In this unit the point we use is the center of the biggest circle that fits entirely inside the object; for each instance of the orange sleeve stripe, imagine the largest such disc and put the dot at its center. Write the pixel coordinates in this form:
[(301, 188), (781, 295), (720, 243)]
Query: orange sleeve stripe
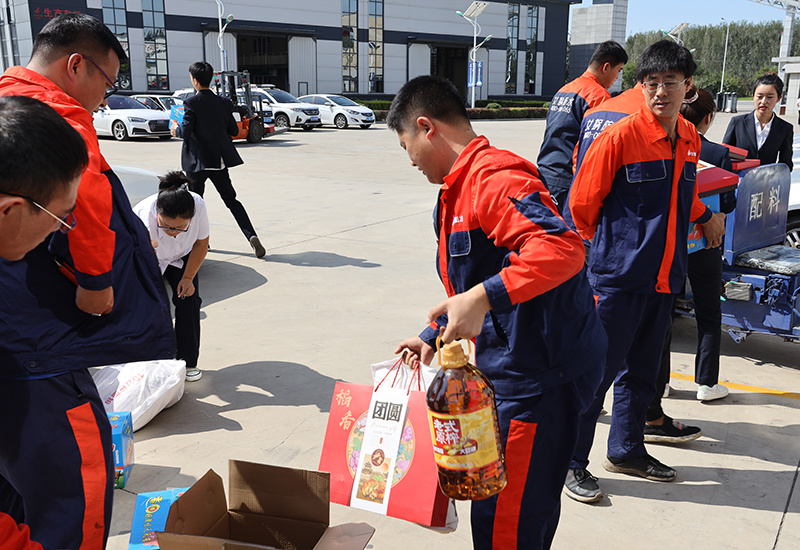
[(93, 474), (519, 448)]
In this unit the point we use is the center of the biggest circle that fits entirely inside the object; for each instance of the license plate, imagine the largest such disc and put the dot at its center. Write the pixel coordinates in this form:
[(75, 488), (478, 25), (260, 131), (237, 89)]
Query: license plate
[(314, 119), (368, 119)]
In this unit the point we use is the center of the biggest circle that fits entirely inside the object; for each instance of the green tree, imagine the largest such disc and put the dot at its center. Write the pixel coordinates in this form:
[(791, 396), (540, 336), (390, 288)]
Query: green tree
[(751, 47)]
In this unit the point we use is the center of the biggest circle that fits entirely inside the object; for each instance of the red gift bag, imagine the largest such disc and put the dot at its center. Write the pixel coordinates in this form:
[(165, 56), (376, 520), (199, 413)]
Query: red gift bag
[(415, 494)]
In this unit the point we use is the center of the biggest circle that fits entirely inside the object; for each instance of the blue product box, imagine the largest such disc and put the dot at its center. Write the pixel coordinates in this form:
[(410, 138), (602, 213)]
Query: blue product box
[(149, 516), (176, 114), (122, 446), (696, 239)]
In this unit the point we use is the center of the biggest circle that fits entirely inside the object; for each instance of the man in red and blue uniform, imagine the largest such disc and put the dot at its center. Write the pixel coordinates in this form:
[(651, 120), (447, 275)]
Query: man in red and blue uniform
[(38, 190), (566, 112), (56, 468), (514, 275), (633, 197)]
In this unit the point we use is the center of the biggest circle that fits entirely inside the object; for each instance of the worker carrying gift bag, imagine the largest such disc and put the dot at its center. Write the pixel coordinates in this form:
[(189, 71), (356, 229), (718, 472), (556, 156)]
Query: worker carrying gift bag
[(378, 447)]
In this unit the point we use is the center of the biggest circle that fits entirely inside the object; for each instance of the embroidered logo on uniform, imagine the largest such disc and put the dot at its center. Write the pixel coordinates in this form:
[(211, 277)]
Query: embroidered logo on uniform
[(457, 219), (692, 154)]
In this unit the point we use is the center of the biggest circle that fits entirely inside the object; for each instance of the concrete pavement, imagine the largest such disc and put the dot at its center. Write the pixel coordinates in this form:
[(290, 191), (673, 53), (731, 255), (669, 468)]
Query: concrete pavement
[(349, 273)]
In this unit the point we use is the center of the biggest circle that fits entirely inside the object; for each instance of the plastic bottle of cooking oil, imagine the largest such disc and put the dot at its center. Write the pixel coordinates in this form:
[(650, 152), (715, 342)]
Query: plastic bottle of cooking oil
[(466, 436)]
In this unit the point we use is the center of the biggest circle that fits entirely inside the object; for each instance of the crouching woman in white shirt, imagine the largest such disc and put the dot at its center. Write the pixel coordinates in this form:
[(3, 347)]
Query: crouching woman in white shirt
[(178, 224)]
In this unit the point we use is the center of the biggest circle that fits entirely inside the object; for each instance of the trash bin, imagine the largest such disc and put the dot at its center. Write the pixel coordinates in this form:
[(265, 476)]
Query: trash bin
[(726, 102), (734, 101)]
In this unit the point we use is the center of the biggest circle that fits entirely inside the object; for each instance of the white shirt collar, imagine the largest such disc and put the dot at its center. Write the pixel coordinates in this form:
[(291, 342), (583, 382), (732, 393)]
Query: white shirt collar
[(761, 134)]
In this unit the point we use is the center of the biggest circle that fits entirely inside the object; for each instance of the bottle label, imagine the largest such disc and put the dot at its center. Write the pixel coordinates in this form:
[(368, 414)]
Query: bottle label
[(464, 441)]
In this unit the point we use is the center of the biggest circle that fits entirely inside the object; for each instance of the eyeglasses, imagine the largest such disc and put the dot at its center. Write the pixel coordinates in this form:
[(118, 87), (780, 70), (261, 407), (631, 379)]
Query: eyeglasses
[(111, 90), (168, 228), (67, 222), (653, 85)]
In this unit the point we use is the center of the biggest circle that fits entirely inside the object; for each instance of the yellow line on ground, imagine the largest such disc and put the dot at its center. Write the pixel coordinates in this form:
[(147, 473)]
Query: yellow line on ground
[(743, 387)]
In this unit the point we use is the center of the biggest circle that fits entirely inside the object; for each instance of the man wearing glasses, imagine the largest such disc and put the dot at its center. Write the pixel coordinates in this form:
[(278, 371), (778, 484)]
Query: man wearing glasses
[(109, 308), (633, 197)]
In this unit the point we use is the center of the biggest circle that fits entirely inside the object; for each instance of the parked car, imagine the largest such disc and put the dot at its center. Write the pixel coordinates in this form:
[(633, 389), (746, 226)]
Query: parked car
[(287, 110), (183, 93), (340, 111), (793, 220), (160, 102), (125, 117)]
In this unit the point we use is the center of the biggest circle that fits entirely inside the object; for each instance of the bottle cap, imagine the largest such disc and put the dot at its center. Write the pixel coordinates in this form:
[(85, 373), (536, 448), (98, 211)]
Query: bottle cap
[(452, 355)]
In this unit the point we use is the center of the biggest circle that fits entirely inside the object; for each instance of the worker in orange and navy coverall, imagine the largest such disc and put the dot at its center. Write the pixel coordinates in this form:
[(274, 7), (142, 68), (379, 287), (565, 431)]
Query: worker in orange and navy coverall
[(633, 197), (56, 467), (37, 196), (566, 112), (514, 275)]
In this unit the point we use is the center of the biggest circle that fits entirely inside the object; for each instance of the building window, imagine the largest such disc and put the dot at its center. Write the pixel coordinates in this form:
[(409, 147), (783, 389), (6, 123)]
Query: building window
[(530, 49), (155, 45), (376, 46), (349, 46), (114, 18), (8, 34), (512, 34)]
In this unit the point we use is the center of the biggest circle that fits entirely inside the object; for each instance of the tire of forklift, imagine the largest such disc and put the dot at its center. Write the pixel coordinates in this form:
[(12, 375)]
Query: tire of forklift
[(255, 132)]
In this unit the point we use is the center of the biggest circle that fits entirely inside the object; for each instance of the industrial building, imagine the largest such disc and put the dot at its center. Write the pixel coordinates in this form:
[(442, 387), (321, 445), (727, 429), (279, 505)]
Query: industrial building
[(314, 46)]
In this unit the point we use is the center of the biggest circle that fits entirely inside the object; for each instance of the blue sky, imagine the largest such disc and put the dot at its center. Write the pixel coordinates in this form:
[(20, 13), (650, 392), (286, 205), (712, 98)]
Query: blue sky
[(643, 17)]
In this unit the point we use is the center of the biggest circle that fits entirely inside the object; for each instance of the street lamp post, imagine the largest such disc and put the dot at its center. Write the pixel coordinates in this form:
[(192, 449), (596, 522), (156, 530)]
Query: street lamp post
[(223, 62), (471, 15), (725, 55)]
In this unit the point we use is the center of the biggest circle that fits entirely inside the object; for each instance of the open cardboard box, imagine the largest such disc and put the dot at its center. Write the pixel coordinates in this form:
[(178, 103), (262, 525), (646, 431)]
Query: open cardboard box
[(269, 507)]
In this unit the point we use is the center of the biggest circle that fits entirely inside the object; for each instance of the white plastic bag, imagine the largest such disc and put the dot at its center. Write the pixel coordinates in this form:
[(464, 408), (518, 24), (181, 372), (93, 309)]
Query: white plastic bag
[(397, 374), (144, 388)]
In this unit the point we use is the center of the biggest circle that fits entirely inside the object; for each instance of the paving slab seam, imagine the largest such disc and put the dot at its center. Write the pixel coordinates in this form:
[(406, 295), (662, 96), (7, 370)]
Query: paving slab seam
[(786, 508)]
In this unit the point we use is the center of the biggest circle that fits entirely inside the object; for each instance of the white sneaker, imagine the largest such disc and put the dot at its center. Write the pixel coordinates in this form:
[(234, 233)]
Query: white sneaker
[(193, 374), (709, 393)]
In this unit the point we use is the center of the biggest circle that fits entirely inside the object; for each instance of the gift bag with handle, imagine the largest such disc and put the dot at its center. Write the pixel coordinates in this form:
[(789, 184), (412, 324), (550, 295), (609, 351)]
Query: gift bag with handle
[(411, 489)]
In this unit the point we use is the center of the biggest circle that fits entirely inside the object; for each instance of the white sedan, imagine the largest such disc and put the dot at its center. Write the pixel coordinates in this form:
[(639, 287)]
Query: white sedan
[(340, 111), (125, 117)]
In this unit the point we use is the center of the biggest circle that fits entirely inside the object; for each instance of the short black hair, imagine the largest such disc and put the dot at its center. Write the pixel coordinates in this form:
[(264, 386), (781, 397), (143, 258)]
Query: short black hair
[(663, 57), (426, 95), (770, 79), (202, 72), (608, 52), (40, 153), (174, 199), (76, 33)]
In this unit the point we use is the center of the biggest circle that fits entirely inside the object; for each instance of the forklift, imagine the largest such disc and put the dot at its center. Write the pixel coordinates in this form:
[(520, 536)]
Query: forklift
[(253, 120)]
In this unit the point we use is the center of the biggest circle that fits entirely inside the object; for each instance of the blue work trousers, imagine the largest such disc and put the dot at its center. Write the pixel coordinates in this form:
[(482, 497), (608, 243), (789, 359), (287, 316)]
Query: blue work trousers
[(636, 325), (56, 466), (539, 435)]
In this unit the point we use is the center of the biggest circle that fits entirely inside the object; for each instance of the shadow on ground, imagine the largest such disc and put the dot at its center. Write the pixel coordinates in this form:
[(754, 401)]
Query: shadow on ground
[(313, 258), (209, 402), (222, 280)]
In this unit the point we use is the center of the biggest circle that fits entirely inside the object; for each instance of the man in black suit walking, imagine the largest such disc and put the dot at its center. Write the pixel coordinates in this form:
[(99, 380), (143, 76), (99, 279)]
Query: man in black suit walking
[(208, 152)]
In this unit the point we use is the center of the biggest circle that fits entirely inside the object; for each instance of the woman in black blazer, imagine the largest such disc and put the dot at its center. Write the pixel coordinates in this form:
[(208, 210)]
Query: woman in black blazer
[(741, 132)]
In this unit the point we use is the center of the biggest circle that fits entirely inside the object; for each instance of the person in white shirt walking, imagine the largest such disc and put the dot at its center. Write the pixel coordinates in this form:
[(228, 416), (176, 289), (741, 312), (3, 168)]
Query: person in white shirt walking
[(177, 221)]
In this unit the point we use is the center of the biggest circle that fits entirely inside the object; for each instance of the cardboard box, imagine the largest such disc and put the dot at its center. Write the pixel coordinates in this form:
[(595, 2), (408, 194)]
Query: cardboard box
[(269, 507), (149, 516), (714, 180), (122, 446), (736, 153)]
